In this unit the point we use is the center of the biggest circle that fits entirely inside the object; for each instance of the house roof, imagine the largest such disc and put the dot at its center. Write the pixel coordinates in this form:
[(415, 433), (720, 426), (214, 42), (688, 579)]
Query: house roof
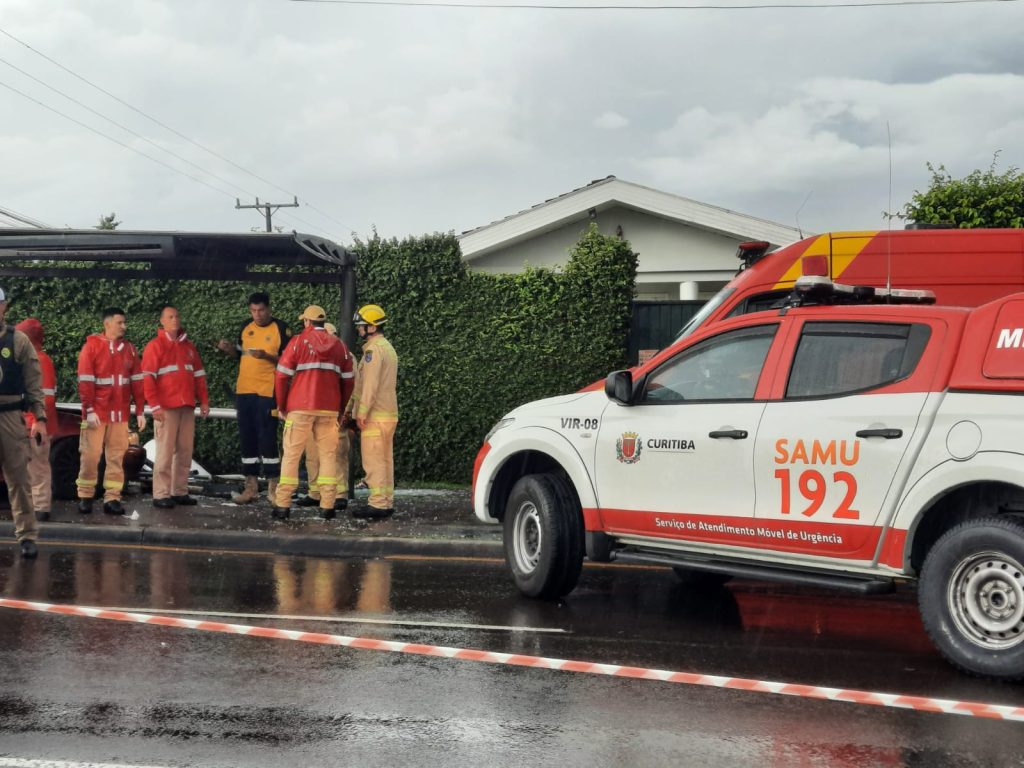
[(607, 193)]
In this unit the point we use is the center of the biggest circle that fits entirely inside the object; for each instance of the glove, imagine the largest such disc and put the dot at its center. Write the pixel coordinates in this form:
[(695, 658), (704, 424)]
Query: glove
[(93, 420)]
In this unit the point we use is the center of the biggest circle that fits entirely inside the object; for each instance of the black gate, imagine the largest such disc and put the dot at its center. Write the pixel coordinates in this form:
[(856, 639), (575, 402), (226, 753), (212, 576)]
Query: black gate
[(655, 324)]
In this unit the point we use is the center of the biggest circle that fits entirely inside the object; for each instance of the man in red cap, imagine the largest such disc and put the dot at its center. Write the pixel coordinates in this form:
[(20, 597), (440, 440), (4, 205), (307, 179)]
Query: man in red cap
[(312, 385), (39, 448)]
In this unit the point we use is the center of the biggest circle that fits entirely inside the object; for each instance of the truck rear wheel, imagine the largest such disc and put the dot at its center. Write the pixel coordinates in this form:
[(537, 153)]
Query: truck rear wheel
[(971, 596), (543, 536)]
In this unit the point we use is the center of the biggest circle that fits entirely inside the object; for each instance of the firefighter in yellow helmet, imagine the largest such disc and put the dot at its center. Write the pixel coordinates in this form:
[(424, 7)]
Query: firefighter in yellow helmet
[(375, 409)]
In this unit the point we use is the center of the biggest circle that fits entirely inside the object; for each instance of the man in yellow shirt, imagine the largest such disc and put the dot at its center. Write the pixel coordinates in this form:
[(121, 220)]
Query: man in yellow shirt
[(375, 408), (260, 343)]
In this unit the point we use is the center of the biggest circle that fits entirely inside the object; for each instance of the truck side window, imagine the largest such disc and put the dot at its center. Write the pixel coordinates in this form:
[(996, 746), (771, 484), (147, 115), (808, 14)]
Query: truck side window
[(843, 358), (725, 367), (760, 302)]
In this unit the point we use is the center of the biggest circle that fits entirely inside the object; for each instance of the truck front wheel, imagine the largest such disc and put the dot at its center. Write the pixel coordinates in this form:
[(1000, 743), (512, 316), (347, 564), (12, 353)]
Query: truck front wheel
[(971, 596), (543, 536)]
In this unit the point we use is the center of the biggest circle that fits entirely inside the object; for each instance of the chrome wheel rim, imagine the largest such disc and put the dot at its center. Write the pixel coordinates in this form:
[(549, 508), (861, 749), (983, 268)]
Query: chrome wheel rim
[(986, 600), (527, 538)]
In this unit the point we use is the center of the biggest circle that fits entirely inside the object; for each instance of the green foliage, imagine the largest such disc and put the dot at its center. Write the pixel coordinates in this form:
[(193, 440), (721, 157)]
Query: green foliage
[(471, 346), (108, 222), (980, 199)]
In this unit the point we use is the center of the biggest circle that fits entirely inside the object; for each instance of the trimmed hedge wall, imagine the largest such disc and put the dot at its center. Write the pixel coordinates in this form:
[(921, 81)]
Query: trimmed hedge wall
[(470, 346)]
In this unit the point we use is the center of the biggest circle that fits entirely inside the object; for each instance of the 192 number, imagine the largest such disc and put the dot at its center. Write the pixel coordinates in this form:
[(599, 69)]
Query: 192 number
[(814, 488)]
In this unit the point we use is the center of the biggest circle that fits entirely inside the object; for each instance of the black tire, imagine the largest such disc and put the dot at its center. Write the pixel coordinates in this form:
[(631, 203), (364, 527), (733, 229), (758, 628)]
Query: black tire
[(971, 597), (700, 579), (64, 464), (543, 536)]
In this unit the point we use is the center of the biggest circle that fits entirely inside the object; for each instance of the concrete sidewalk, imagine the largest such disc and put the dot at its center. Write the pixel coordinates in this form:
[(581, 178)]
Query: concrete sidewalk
[(426, 522)]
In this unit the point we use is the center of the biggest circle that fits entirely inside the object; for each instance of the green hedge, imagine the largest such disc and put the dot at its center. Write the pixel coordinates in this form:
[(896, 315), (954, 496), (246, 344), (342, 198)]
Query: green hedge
[(471, 346)]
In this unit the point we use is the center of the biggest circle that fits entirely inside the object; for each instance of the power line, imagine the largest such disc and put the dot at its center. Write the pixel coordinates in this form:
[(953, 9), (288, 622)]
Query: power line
[(176, 132), (22, 218), (125, 128), (114, 140), (700, 7)]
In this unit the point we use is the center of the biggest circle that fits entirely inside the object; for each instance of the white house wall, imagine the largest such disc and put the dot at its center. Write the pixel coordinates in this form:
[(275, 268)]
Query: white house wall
[(668, 250)]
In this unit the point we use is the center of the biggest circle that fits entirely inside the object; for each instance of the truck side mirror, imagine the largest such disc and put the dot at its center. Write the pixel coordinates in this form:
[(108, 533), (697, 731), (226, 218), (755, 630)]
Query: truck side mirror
[(619, 387)]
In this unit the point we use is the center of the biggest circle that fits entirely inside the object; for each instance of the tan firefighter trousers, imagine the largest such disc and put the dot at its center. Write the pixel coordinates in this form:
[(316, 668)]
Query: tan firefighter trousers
[(298, 427), (174, 438), (39, 474), (109, 441), (340, 463), (377, 447)]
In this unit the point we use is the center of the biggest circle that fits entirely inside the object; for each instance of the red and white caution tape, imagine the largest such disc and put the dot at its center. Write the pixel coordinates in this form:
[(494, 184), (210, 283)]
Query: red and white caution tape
[(897, 701)]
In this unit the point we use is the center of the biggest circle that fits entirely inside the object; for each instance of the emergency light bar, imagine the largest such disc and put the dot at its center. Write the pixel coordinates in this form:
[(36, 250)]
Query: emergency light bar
[(820, 290), (751, 252)]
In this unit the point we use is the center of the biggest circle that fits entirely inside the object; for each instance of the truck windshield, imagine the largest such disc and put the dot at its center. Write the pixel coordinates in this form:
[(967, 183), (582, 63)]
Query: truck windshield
[(698, 320)]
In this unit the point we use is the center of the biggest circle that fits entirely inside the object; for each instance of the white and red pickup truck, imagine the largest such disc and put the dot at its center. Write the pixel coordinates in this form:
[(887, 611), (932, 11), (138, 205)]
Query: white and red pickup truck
[(853, 438)]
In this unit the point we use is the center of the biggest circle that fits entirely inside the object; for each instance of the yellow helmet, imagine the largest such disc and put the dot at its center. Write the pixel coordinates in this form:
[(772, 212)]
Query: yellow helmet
[(371, 314)]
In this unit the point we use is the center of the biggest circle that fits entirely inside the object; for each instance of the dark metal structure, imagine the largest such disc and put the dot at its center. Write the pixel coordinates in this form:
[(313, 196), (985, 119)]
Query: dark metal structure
[(655, 324), (151, 255)]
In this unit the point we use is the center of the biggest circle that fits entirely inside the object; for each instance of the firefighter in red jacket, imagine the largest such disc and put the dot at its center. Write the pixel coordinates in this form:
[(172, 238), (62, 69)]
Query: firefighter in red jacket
[(312, 386), (175, 381), (109, 379), (39, 449)]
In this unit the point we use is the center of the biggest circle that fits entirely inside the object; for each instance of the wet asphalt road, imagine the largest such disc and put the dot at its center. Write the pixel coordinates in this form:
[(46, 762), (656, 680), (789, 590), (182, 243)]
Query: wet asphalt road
[(92, 690)]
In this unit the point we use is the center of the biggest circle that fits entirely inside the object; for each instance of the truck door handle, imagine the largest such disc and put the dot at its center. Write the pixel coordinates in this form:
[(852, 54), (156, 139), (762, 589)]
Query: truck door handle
[(732, 434), (888, 434)]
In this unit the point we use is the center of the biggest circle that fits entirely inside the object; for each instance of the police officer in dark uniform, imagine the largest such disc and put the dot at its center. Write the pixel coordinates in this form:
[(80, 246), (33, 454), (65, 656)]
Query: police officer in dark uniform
[(20, 390)]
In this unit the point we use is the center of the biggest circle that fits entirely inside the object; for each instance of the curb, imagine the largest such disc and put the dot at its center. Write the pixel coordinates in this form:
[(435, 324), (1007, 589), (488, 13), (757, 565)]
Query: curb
[(299, 546)]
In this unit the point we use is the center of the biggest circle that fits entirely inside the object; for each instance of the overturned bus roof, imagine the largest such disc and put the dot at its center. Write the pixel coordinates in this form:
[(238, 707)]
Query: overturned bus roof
[(174, 255)]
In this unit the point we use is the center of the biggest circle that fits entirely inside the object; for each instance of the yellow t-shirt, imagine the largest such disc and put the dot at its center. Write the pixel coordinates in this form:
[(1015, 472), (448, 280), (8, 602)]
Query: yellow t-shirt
[(255, 376)]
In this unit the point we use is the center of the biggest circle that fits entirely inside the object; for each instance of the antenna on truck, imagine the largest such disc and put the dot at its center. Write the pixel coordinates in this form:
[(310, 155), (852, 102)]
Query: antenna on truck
[(797, 216)]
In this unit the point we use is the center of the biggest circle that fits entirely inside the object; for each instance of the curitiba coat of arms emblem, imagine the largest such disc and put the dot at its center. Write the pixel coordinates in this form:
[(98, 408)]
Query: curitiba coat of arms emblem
[(628, 448)]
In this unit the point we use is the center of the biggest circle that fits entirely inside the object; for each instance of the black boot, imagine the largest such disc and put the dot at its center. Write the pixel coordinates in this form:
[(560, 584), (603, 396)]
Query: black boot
[(372, 513), (85, 506), (163, 503), (328, 514), (340, 505), (29, 549), (113, 507), (184, 501), (281, 513)]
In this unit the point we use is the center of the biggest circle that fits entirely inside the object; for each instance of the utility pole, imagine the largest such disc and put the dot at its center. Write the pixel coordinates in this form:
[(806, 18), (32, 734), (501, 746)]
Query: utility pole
[(269, 209)]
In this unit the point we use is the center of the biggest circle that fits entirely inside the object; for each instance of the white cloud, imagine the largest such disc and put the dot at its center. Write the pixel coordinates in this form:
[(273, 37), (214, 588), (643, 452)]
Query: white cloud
[(610, 121)]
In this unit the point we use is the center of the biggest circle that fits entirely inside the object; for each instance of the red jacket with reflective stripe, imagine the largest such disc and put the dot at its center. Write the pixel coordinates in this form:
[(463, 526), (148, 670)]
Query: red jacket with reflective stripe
[(109, 378), (314, 373), (174, 374), (34, 330)]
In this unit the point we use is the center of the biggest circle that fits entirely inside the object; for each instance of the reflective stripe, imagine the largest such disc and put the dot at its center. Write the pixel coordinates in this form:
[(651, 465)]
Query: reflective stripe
[(111, 485), (350, 375), (167, 369), (138, 377), (86, 377), (189, 367), (250, 461), (287, 423), (372, 432), (326, 480), (271, 461), (50, 392), (285, 371), (317, 367), (382, 491), (105, 381), (149, 373), (199, 373), (85, 483), (288, 480)]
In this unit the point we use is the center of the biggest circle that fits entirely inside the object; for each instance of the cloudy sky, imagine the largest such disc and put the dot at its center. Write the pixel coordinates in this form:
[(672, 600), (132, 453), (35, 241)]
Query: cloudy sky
[(421, 119)]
